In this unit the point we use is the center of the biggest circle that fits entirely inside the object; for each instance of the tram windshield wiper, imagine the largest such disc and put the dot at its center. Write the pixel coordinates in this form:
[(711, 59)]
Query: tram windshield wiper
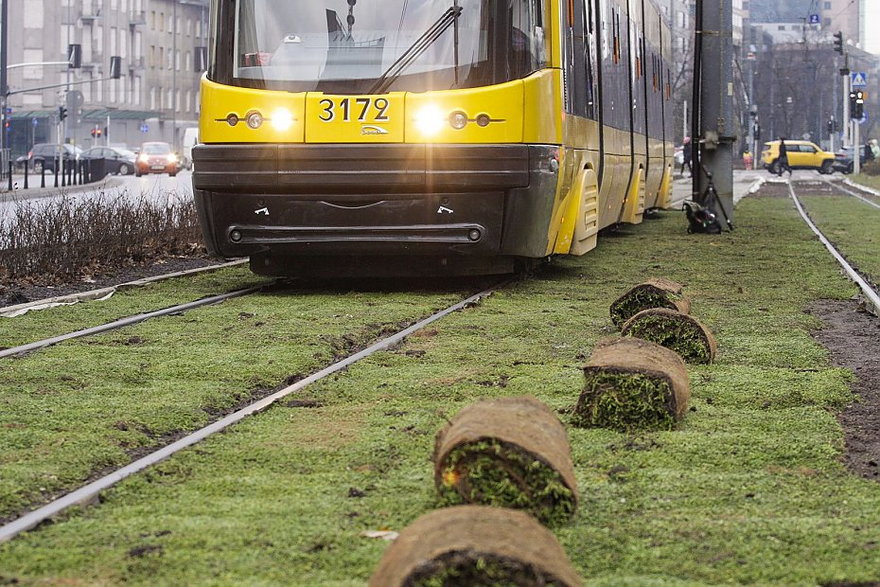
[(413, 52)]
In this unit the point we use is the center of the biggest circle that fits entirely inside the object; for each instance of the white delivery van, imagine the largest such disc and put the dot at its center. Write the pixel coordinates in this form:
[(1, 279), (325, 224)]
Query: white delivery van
[(190, 138)]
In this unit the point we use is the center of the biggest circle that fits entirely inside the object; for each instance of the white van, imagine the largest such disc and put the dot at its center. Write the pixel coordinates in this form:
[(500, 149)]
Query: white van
[(190, 138)]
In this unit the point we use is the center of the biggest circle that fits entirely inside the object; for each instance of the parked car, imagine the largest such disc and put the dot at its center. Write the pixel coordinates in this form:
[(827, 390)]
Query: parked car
[(843, 159), (43, 155), (104, 160), (156, 157), (801, 155)]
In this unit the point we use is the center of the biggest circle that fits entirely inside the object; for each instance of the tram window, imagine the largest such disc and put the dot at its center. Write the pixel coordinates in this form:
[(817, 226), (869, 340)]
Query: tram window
[(419, 45)]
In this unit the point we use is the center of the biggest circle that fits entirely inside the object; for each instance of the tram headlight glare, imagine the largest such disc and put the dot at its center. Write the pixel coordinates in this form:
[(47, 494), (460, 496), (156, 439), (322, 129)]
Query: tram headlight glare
[(429, 120), (282, 119)]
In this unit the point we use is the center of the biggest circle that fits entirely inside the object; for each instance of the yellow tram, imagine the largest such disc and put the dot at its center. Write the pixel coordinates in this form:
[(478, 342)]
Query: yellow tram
[(379, 137)]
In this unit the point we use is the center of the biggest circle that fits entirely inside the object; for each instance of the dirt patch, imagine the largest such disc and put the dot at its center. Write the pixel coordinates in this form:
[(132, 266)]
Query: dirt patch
[(14, 292), (851, 335)]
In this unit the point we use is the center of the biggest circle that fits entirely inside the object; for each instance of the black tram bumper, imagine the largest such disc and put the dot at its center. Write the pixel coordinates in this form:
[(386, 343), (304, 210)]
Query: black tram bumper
[(384, 201)]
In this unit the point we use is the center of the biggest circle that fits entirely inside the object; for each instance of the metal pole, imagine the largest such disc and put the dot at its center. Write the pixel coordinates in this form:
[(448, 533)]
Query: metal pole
[(4, 59), (844, 74), (174, 77), (857, 148), (716, 104)]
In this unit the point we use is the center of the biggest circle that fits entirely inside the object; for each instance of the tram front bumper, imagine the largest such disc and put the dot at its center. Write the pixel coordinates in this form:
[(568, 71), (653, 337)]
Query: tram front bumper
[(366, 199)]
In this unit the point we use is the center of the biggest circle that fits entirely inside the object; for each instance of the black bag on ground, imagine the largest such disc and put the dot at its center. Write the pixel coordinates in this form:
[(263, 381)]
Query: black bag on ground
[(701, 219)]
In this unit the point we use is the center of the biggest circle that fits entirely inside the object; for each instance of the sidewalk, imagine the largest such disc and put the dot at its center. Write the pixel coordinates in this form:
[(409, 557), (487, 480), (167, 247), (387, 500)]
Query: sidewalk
[(34, 190)]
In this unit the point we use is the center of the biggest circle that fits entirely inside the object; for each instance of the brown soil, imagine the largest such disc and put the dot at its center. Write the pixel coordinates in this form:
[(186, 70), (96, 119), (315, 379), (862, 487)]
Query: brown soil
[(23, 291), (851, 335)]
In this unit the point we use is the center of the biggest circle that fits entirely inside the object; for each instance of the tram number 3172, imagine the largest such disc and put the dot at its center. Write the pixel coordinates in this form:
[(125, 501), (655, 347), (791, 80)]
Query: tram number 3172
[(363, 107)]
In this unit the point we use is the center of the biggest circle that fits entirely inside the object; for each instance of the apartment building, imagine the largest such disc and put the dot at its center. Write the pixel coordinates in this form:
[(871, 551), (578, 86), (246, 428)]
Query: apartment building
[(161, 46)]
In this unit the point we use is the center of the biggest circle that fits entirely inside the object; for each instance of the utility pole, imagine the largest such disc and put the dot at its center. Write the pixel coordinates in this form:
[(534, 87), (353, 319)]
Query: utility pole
[(713, 104), (4, 86)]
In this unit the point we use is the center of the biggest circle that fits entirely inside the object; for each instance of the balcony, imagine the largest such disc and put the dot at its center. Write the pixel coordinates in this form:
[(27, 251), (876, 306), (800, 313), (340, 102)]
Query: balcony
[(136, 64), (91, 10), (94, 62), (137, 18)]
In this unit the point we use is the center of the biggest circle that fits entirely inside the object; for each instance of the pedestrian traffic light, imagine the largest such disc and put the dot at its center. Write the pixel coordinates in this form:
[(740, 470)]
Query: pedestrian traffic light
[(62, 113), (838, 42), (857, 104)]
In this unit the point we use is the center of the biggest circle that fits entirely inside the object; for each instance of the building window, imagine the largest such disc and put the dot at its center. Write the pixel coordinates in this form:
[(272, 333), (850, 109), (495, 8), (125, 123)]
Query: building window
[(828, 6)]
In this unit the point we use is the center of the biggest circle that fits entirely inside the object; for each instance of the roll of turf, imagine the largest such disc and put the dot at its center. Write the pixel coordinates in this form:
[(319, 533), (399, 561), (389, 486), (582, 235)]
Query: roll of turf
[(678, 332), (507, 452), (632, 384), (654, 293), (474, 545)]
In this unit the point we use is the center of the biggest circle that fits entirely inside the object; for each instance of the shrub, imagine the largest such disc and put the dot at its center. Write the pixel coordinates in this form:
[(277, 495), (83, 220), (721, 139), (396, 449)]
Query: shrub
[(68, 237)]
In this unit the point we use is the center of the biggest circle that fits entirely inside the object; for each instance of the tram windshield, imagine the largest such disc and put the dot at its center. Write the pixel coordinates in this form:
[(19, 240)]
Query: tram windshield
[(375, 46)]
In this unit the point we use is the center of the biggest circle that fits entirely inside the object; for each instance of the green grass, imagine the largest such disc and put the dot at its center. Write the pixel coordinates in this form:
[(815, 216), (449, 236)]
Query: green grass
[(91, 403), (749, 488), (625, 401), (491, 472), (38, 325), (872, 181), (853, 226)]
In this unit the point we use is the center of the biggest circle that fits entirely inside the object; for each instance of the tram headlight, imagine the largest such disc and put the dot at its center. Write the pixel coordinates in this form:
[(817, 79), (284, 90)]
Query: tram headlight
[(458, 120), (430, 120), (254, 119), (282, 119)]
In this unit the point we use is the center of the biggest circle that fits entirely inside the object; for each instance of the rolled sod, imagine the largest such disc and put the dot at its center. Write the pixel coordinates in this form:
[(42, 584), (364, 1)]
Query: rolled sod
[(632, 384), (679, 332), (474, 545), (507, 452), (654, 293)]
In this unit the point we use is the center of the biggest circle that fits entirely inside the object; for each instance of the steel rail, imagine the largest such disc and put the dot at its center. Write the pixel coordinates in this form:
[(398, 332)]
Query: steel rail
[(853, 194), (128, 321), (870, 294), (87, 493)]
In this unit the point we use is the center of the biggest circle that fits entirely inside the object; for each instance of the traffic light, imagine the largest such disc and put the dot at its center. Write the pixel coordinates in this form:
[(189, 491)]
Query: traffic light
[(74, 56), (838, 42), (62, 113), (857, 104), (115, 67)]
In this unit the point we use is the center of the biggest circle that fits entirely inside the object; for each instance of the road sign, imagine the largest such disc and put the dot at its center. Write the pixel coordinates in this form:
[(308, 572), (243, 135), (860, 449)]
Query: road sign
[(814, 19), (858, 79), (144, 127)]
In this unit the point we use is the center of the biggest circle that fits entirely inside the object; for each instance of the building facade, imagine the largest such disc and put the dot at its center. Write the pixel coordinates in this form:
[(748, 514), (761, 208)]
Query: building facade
[(160, 44)]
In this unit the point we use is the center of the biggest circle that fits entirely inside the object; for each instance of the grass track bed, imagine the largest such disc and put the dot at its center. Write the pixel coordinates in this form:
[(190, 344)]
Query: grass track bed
[(749, 488), (43, 324), (854, 228), (91, 403)]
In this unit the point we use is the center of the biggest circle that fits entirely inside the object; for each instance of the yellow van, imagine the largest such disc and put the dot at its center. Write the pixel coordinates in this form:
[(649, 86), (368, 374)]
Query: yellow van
[(801, 155)]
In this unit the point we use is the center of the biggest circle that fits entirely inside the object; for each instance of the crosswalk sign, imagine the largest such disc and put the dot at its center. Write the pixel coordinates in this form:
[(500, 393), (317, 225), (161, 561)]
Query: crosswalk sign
[(858, 79)]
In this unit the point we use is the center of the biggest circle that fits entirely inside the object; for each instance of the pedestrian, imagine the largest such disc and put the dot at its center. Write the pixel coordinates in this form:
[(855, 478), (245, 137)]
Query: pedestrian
[(782, 160), (869, 152), (686, 156), (875, 148)]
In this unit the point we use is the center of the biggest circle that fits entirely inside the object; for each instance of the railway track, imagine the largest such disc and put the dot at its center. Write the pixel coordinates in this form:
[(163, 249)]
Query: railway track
[(89, 491), (869, 292)]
